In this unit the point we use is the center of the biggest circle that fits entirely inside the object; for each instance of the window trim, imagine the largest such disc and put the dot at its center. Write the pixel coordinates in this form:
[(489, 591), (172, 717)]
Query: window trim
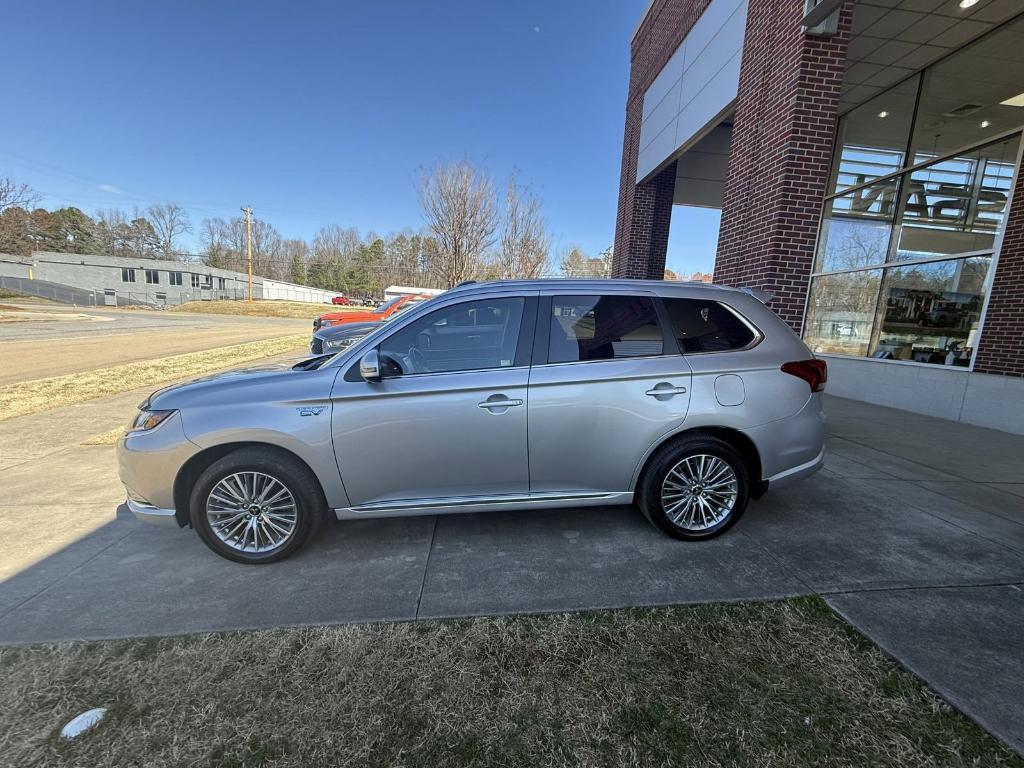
[(542, 338), (127, 274)]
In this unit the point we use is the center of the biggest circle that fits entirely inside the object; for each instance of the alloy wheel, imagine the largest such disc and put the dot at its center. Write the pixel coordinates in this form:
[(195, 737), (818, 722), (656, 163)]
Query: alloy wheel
[(699, 492), (252, 512)]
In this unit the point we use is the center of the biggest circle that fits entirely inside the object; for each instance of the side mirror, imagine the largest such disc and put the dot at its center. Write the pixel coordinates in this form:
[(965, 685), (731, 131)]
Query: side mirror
[(369, 366)]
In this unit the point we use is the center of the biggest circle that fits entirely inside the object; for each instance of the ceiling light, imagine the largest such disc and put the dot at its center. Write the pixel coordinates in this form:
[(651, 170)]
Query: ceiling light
[(968, 3), (985, 123), (883, 113), (1014, 101)]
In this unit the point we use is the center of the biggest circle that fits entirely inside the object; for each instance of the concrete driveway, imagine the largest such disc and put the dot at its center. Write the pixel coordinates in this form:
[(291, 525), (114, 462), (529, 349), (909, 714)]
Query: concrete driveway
[(914, 532)]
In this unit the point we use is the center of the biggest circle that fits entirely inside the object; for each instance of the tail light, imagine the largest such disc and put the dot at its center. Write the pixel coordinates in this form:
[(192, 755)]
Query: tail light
[(814, 372)]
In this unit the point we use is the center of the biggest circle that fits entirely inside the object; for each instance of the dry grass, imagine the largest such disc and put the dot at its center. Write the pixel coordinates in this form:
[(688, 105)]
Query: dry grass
[(770, 684), (7, 293), (39, 395), (110, 437), (261, 308)]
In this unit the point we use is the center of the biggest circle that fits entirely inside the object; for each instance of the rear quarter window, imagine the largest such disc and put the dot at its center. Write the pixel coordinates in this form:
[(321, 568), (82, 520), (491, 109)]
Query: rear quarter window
[(707, 326)]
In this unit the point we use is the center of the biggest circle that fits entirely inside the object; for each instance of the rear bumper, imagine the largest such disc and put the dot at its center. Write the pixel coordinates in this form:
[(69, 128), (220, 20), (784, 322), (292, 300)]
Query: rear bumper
[(797, 473), (794, 447), (150, 514)]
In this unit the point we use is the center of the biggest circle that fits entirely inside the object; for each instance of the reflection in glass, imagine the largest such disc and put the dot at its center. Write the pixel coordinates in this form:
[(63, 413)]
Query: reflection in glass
[(931, 311), (957, 205), (961, 99), (841, 311), (872, 139), (856, 228)]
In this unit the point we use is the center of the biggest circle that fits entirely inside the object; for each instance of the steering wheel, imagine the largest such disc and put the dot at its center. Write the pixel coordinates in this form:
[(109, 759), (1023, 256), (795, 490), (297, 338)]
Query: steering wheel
[(418, 360)]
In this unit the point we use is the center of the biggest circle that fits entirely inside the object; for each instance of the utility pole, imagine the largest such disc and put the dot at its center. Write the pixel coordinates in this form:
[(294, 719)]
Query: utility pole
[(248, 245)]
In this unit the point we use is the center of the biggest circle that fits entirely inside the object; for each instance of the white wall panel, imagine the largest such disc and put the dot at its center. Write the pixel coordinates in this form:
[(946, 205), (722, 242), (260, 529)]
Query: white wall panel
[(697, 84)]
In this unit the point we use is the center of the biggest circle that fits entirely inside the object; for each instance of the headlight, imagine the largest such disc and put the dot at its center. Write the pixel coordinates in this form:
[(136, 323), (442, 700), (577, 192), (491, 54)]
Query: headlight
[(337, 344), (147, 420), (326, 323)]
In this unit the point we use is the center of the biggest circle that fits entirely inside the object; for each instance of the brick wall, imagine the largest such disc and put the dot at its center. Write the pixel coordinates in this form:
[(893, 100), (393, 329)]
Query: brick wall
[(641, 224), (1001, 348), (782, 139)]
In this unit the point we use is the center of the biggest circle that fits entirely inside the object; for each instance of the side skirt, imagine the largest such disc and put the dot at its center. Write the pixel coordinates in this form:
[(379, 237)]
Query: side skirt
[(456, 504)]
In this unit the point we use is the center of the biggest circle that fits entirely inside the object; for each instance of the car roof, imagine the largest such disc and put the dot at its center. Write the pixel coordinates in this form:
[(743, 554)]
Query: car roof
[(595, 284)]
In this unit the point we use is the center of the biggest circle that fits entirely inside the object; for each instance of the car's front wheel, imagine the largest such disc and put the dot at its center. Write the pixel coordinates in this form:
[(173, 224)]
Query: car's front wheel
[(256, 505), (694, 488)]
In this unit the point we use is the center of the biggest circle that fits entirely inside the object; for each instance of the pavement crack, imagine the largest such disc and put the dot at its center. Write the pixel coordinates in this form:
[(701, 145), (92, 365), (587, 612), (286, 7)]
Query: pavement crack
[(426, 564)]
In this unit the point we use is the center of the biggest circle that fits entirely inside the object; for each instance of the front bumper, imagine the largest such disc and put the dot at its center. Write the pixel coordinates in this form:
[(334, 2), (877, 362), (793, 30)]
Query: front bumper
[(147, 513), (148, 463)]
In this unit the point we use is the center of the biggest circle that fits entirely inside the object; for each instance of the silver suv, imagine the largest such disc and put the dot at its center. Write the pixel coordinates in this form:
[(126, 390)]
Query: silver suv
[(686, 399)]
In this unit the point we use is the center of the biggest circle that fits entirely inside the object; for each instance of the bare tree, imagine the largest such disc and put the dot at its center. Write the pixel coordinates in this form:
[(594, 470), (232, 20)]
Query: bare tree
[(575, 263), (524, 238), (16, 226), (169, 221), (459, 207), (225, 246), (15, 195)]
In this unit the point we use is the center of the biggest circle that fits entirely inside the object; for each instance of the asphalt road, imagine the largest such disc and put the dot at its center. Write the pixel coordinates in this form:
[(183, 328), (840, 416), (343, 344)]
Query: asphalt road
[(57, 340), (914, 532)]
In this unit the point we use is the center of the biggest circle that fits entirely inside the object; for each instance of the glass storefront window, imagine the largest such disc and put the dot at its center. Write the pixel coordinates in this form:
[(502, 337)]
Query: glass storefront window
[(841, 312), (872, 139), (921, 179), (957, 205), (857, 227), (961, 97), (930, 311)]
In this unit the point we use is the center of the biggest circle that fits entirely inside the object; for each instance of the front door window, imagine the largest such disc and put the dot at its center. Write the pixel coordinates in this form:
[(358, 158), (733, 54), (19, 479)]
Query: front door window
[(472, 336)]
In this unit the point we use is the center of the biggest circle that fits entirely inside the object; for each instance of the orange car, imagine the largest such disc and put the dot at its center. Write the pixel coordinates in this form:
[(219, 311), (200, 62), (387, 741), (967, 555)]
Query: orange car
[(383, 312)]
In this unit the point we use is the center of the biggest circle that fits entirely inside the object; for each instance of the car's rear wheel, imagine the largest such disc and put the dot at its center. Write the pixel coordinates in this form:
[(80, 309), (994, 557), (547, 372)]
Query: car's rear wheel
[(256, 505), (695, 488)]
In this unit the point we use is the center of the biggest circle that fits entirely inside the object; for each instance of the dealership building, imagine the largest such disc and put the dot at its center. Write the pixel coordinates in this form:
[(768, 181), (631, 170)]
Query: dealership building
[(865, 158)]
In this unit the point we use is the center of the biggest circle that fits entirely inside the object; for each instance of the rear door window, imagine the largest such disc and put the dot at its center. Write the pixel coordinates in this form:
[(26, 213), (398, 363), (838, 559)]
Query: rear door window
[(603, 328), (707, 326)]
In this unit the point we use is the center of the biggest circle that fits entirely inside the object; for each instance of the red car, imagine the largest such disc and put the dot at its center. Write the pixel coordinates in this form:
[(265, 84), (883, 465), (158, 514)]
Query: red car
[(383, 312), (342, 300)]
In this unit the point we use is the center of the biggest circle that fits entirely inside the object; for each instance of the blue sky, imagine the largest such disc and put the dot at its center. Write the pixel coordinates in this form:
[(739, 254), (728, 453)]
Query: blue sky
[(325, 112)]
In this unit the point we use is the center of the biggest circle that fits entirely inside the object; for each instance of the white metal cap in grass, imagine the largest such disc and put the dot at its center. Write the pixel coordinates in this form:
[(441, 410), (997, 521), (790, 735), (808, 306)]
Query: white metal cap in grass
[(83, 722)]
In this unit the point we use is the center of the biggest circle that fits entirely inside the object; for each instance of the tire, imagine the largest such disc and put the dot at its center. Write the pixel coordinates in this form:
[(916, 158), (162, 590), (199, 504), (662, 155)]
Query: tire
[(725, 490), (298, 510)]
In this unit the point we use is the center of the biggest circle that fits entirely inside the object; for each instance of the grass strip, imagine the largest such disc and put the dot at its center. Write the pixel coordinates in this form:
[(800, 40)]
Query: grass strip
[(110, 437), (780, 684), (27, 397), (263, 308)]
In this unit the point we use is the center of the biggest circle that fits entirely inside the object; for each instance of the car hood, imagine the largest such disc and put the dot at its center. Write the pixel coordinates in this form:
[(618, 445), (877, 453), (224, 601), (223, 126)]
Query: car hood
[(344, 318), (241, 385)]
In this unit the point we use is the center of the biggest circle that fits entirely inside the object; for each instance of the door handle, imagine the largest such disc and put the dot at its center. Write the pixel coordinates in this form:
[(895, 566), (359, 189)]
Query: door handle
[(665, 391), (504, 402)]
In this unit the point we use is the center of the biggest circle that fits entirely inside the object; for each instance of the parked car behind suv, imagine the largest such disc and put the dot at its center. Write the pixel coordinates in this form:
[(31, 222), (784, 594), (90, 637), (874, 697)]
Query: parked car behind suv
[(383, 312), (685, 399), (332, 339)]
